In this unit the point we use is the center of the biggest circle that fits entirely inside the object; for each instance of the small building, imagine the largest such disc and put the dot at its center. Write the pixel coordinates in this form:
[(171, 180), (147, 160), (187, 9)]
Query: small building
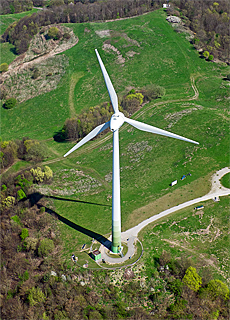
[(96, 255), (173, 183), (199, 208), (166, 5)]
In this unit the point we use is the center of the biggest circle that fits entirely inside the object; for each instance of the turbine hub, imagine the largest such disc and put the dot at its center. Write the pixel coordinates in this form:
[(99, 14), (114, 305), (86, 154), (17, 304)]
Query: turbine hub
[(116, 121)]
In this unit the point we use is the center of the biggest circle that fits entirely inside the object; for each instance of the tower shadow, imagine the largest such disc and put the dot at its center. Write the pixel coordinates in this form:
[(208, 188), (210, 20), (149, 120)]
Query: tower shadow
[(34, 199)]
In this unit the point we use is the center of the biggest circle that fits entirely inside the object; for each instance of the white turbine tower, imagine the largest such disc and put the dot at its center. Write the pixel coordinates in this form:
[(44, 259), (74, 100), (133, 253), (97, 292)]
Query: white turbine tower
[(115, 123)]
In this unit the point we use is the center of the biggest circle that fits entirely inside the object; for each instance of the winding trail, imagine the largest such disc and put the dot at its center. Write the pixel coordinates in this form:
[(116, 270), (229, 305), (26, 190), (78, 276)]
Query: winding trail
[(130, 236), (109, 136)]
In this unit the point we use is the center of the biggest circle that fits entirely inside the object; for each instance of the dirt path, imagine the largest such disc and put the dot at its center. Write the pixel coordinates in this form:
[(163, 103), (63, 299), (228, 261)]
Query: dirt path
[(73, 81), (16, 66)]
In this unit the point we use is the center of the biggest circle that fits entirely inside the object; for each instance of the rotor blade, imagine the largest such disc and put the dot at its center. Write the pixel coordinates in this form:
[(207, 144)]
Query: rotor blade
[(145, 127), (110, 88), (89, 136)]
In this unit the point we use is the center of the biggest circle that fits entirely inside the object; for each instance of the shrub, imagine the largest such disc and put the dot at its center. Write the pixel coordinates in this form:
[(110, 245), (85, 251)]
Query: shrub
[(10, 103), (37, 174), (21, 195), (16, 219), (48, 173), (138, 96), (35, 296), (31, 244), (46, 246), (228, 76), (36, 74), (216, 288), (4, 67), (4, 187), (192, 279), (24, 234), (206, 54), (54, 33), (66, 35), (153, 91), (8, 202), (210, 57)]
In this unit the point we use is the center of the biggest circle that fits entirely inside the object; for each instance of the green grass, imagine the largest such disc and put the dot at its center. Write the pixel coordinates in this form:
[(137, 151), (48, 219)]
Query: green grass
[(149, 163), (225, 181), (199, 235)]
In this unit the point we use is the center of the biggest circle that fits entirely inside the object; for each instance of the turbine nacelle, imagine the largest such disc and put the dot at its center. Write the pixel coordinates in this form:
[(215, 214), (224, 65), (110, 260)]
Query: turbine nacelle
[(116, 121)]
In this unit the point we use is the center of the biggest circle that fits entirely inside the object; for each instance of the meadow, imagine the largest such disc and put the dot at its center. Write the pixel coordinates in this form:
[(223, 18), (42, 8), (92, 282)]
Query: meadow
[(152, 52)]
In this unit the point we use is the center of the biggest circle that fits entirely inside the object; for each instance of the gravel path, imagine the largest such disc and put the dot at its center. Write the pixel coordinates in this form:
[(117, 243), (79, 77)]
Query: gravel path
[(130, 236)]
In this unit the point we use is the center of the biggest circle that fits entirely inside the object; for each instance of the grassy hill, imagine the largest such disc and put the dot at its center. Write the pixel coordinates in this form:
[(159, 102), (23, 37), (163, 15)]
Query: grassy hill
[(152, 52)]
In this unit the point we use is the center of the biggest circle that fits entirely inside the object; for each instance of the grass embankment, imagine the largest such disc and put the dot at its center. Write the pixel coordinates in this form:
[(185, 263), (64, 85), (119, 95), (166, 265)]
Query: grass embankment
[(154, 53)]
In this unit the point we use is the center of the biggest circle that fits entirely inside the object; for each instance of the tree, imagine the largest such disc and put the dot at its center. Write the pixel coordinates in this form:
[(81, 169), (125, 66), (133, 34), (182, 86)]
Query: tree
[(54, 33), (206, 54), (24, 233), (153, 91), (192, 279), (10, 103), (46, 246), (36, 296), (210, 58), (4, 67), (216, 288)]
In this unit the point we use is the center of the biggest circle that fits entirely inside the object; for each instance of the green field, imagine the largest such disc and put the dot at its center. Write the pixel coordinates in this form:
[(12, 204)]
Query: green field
[(201, 236), (154, 53)]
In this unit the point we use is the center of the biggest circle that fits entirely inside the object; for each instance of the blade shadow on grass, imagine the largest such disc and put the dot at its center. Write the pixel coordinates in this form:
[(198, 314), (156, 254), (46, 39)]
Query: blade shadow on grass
[(79, 201), (34, 199)]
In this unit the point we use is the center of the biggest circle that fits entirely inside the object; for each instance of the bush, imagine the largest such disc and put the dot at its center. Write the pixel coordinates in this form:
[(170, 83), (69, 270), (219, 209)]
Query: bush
[(21, 195), (228, 76), (192, 279), (37, 174), (153, 91), (66, 35), (10, 103), (210, 57), (36, 74), (216, 288), (31, 244), (35, 296), (24, 234), (206, 54), (4, 67), (48, 173), (54, 33), (8, 202), (46, 246), (32, 150)]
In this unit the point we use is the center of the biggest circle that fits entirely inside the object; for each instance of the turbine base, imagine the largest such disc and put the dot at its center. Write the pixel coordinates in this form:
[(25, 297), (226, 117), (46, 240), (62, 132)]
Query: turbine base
[(115, 249)]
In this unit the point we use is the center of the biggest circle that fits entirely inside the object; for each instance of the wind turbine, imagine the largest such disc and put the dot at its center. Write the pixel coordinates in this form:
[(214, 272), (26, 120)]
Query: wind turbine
[(115, 123)]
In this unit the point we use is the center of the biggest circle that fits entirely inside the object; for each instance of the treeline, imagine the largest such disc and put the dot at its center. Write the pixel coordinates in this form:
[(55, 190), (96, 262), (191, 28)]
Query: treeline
[(77, 128), (210, 21), (21, 32), (15, 6), (26, 149)]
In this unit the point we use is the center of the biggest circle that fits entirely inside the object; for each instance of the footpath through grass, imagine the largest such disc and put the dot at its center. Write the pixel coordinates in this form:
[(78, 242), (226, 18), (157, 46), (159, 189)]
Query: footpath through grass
[(200, 235)]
